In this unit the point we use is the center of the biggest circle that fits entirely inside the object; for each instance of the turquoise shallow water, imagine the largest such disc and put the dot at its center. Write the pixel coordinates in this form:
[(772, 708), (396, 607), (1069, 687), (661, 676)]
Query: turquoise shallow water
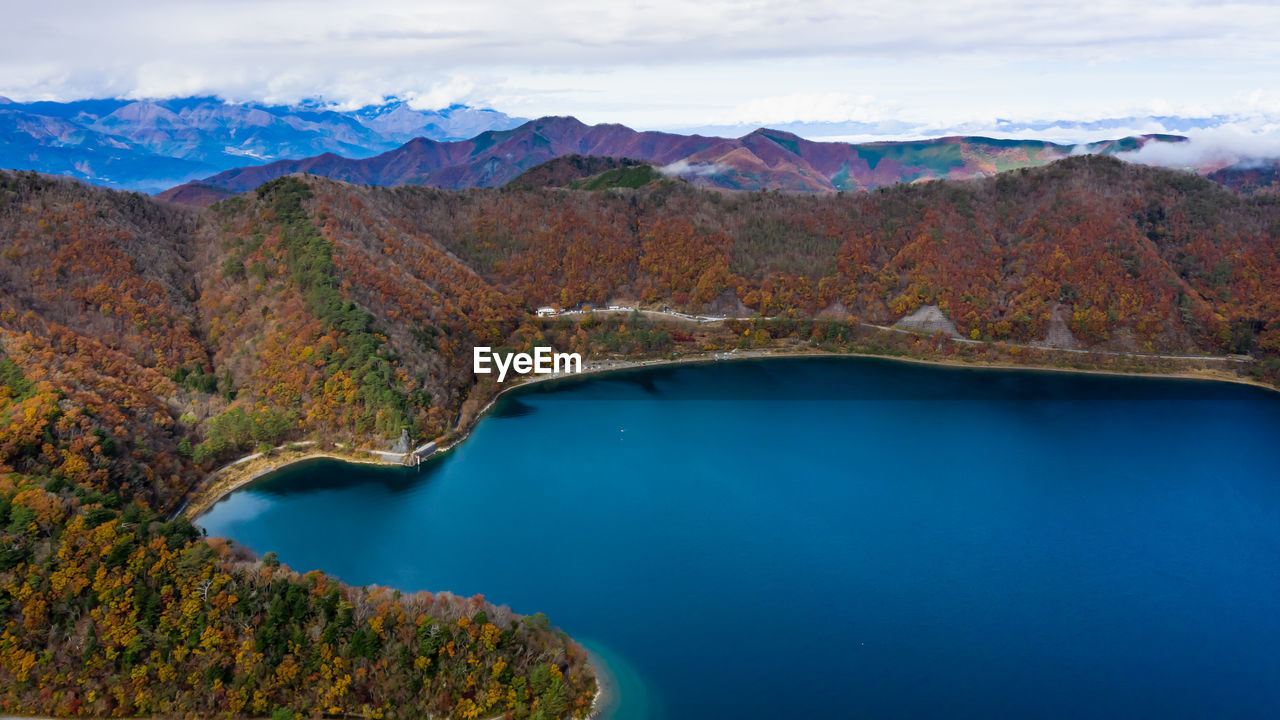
[(844, 537)]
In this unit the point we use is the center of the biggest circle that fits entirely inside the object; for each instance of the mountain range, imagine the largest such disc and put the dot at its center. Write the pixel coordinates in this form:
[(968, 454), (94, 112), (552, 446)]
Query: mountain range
[(151, 145), (197, 150), (761, 160)]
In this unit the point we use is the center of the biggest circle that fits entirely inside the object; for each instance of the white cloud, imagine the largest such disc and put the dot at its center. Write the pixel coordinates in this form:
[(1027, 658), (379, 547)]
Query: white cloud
[(1237, 144), (1261, 101), (686, 169), (455, 90), (664, 63), (810, 107)]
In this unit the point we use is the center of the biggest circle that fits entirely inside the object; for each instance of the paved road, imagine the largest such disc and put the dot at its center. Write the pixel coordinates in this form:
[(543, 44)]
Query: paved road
[(888, 328)]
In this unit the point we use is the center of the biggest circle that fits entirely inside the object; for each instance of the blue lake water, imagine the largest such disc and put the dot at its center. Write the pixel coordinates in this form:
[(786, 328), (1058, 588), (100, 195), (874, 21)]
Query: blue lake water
[(844, 537)]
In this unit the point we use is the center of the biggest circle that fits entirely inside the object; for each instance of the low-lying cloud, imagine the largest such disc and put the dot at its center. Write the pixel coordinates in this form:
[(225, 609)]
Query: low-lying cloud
[(687, 170), (1219, 147)]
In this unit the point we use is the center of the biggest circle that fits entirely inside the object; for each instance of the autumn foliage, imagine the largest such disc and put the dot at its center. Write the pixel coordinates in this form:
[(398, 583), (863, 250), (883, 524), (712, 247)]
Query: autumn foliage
[(128, 364), (142, 344)]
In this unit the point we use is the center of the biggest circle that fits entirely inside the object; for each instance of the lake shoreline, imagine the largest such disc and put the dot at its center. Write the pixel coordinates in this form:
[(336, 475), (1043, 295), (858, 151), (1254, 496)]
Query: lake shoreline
[(242, 473), (200, 502), (1068, 469)]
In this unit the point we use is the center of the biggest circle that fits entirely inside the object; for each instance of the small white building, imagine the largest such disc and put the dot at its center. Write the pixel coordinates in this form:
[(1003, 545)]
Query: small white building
[(547, 312)]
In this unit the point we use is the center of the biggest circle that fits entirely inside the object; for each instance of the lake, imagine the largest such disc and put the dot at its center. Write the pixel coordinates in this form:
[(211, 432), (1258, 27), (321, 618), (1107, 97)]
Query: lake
[(844, 537)]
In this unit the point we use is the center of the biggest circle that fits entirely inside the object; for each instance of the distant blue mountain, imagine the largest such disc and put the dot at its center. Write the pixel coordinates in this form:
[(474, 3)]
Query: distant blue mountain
[(150, 145)]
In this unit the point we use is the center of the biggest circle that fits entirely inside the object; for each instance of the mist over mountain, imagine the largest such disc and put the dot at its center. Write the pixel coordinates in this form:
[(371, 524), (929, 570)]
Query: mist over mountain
[(1060, 130), (150, 145)]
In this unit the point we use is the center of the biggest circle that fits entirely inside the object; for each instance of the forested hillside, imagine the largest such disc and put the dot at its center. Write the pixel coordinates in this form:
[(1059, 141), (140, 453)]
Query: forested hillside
[(569, 170), (312, 308), (138, 344), (1134, 258), (143, 343)]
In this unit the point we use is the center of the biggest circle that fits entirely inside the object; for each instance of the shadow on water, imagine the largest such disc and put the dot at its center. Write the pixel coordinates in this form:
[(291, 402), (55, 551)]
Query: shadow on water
[(880, 379), (321, 474), (511, 407), (647, 383)]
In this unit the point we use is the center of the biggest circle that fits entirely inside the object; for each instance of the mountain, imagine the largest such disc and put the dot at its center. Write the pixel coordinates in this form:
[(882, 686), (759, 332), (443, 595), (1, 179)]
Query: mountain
[(761, 160), (58, 146), (154, 144), (399, 122)]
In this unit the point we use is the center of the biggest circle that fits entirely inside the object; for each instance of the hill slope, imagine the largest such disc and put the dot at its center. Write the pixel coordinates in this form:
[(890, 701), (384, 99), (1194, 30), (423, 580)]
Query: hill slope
[(140, 344)]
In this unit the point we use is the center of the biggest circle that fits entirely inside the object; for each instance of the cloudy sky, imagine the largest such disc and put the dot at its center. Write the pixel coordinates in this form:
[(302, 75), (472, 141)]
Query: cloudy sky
[(914, 64)]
